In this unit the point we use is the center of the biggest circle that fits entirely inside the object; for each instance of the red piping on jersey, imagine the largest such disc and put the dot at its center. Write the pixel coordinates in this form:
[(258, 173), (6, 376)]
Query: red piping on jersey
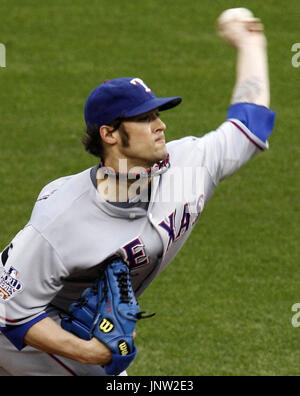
[(165, 163), (247, 136), (12, 320), (62, 364)]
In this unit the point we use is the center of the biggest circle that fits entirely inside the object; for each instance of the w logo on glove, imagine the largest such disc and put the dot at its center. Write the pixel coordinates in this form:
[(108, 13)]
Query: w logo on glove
[(106, 325), (123, 348)]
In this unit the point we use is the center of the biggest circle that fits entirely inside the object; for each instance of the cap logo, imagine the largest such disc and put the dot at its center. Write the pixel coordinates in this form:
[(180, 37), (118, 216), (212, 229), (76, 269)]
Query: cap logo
[(138, 81)]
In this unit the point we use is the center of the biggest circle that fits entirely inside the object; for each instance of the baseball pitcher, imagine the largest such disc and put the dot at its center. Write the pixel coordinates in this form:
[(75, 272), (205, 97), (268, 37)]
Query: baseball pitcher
[(70, 280)]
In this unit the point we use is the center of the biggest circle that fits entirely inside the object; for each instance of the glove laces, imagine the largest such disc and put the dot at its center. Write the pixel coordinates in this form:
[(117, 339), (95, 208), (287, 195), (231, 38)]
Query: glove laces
[(123, 281)]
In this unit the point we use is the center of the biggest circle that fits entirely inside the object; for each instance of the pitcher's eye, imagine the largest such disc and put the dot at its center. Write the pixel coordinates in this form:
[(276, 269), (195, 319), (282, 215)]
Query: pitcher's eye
[(149, 117)]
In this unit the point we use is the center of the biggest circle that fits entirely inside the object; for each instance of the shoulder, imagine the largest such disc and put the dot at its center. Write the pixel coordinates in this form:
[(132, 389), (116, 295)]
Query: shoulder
[(58, 196), (189, 148), (180, 145), (50, 188), (195, 142)]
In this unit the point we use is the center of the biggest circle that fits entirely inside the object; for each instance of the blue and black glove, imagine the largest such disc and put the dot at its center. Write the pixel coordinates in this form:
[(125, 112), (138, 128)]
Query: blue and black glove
[(108, 311)]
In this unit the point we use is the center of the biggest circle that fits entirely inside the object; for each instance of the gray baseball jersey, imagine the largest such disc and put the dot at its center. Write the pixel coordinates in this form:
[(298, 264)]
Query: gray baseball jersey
[(73, 230)]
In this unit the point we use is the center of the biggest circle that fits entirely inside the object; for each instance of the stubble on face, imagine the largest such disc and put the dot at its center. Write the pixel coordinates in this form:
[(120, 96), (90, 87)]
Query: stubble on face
[(144, 143)]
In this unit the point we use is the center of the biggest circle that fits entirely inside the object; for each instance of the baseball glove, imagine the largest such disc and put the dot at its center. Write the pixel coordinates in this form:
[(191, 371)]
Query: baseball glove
[(108, 311)]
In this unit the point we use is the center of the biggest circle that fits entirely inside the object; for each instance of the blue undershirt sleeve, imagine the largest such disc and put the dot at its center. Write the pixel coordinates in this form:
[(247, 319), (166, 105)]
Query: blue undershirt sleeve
[(16, 334), (258, 119)]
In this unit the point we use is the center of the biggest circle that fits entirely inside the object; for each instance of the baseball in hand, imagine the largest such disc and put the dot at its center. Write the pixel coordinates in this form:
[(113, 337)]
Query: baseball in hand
[(235, 14), (236, 25)]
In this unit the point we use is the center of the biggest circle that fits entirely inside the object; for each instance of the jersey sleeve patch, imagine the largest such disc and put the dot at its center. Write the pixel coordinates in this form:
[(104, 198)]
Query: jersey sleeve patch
[(256, 122), (10, 285)]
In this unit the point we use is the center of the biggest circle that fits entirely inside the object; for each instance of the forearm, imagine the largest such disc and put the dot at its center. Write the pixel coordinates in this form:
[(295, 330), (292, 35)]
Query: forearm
[(49, 337), (252, 82), (240, 29)]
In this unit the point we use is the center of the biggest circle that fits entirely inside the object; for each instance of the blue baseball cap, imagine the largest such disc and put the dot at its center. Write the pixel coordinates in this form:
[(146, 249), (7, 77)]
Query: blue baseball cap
[(123, 98)]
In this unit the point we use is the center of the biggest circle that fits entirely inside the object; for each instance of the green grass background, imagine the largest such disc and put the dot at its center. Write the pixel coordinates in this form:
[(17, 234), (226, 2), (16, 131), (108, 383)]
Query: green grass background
[(224, 304)]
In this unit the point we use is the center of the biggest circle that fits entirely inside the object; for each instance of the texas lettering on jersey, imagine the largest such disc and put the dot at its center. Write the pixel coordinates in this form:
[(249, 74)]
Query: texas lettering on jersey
[(185, 223), (135, 254)]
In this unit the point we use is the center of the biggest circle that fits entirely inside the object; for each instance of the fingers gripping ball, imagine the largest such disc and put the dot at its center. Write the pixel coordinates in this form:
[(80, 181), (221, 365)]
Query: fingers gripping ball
[(108, 311), (235, 14), (235, 24)]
